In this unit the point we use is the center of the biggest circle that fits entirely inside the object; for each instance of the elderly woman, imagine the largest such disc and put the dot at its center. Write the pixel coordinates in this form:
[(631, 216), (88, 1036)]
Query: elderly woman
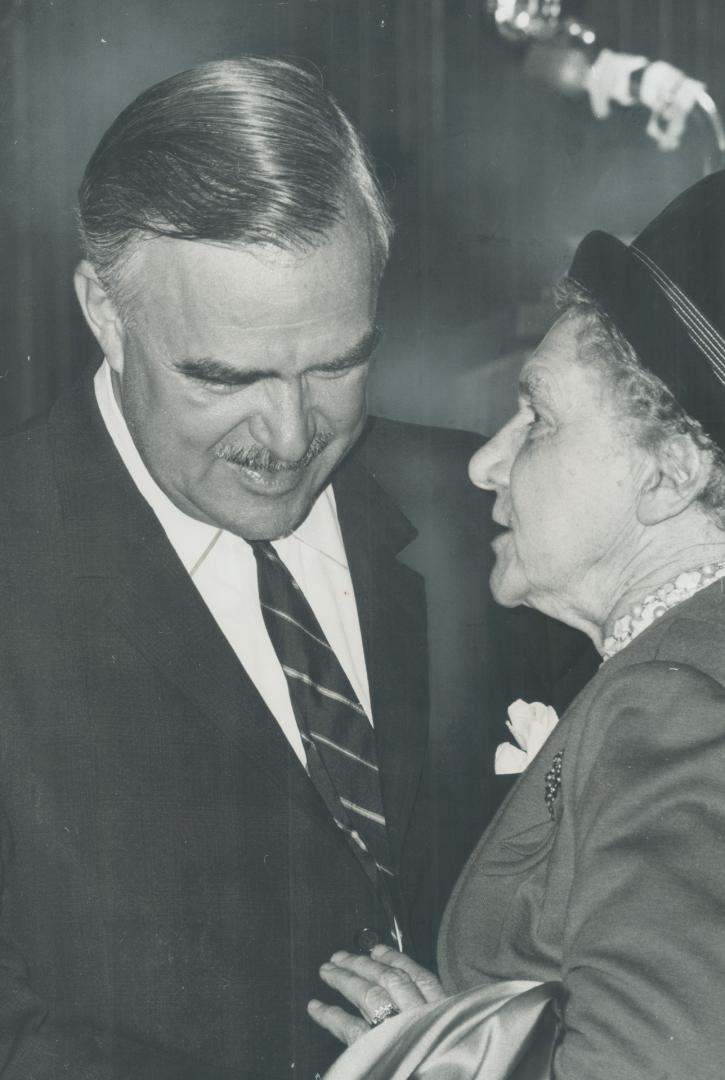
[(604, 869)]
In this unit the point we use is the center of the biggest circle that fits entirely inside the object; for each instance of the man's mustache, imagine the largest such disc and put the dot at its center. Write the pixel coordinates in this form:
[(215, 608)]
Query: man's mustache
[(263, 460)]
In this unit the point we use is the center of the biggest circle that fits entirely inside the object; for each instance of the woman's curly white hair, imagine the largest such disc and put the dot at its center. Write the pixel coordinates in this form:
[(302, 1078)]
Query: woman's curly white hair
[(644, 398)]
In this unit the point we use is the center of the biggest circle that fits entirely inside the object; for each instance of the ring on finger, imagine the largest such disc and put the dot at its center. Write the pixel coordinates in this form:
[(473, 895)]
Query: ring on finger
[(382, 1013)]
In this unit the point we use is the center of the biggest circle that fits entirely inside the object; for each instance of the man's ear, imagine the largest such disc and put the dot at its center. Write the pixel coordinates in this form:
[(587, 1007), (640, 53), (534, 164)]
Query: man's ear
[(100, 313), (679, 473)]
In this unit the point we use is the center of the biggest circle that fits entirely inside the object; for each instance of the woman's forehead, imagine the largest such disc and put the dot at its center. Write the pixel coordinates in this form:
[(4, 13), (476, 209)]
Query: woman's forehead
[(554, 354), (556, 370)]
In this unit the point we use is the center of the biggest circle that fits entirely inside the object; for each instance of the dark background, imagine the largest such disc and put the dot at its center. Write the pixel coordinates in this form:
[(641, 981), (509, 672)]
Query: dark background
[(492, 178)]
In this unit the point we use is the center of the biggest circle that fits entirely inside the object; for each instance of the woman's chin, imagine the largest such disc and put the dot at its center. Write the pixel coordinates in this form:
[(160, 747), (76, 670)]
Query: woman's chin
[(505, 588)]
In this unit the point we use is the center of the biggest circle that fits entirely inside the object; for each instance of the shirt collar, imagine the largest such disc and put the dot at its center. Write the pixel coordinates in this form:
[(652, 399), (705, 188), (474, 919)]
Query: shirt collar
[(191, 538), (627, 627)]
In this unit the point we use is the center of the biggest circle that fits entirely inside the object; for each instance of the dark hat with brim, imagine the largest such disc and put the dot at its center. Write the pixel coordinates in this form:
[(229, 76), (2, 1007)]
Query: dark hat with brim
[(666, 293)]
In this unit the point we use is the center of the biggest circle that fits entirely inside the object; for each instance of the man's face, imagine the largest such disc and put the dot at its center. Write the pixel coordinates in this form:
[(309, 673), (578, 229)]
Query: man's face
[(242, 374), (567, 480)]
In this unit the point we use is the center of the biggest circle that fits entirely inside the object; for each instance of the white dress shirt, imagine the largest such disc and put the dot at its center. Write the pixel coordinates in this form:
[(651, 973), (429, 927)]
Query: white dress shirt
[(223, 569)]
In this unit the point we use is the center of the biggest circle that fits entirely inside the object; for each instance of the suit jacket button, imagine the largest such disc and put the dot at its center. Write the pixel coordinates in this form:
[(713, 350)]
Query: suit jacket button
[(366, 939)]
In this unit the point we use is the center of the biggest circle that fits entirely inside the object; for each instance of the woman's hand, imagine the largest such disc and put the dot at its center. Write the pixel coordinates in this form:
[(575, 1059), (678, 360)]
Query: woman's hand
[(372, 984)]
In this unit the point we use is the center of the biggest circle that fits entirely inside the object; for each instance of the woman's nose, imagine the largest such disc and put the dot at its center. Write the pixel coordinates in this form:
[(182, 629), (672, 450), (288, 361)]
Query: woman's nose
[(490, 466)]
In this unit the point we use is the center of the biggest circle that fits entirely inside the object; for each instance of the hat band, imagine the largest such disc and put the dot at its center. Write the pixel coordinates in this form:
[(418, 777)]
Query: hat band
[(700, 330)]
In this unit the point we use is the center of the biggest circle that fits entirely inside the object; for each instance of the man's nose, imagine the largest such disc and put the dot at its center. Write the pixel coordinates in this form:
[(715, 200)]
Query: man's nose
[(490, 466), (283, 423)]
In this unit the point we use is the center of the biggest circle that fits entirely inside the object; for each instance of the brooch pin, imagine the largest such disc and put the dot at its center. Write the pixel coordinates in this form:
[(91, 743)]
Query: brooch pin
[(552, 783)]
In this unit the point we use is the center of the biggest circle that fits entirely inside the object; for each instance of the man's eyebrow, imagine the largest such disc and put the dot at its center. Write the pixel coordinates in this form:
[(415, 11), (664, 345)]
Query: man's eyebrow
[(209, 369), (362, 351)]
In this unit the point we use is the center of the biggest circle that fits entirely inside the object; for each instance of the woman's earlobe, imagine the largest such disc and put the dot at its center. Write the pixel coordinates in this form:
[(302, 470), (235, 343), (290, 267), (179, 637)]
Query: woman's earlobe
[(680, 475)]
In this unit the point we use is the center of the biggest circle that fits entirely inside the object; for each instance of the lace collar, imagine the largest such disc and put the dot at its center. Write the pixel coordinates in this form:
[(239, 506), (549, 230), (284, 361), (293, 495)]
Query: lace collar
[(654, 606)]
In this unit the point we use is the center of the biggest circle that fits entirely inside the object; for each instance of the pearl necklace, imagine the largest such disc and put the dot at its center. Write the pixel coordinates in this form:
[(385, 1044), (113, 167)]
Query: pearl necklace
[(654, 606)]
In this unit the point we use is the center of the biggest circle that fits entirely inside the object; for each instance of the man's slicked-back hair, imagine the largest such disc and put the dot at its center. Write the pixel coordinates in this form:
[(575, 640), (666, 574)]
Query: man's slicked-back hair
[(250, 151)]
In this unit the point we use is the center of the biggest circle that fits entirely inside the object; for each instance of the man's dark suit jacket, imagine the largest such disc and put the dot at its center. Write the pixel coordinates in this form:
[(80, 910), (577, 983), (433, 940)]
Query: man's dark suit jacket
[(170, 879)]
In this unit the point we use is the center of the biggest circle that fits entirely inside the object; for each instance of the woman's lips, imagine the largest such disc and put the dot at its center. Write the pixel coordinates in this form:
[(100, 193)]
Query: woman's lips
[(501, 534)]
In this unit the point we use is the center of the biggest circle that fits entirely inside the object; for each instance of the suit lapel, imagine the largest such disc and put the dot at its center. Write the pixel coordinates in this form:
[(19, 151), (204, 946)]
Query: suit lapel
[(525, 809), (391, 608), (124, 566)]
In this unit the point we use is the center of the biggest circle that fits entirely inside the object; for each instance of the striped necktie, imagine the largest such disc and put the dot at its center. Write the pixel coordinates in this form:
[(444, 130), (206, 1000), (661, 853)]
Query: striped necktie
[(338, 737)]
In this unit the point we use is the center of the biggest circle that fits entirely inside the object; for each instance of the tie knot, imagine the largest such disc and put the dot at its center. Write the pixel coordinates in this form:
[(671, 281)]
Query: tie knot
[(263, 550)]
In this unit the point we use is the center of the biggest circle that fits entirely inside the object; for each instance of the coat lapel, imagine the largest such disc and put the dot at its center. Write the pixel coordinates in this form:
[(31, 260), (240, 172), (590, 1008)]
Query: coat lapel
[(124, 566), (525, 813), (391, 608)]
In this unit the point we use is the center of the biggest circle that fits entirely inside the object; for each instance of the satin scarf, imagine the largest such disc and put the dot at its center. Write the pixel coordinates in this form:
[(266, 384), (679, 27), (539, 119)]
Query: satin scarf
[(503, 1031)]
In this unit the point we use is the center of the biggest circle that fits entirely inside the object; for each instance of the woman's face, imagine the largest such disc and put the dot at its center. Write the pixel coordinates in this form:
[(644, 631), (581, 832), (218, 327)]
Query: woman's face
[(567, 479)]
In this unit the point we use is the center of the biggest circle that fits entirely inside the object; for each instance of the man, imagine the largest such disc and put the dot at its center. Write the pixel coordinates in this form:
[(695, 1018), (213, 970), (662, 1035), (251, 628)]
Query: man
[(214, 664)]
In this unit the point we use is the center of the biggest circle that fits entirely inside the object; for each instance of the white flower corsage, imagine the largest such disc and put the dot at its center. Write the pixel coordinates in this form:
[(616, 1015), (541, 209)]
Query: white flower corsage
[(530, 723)]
